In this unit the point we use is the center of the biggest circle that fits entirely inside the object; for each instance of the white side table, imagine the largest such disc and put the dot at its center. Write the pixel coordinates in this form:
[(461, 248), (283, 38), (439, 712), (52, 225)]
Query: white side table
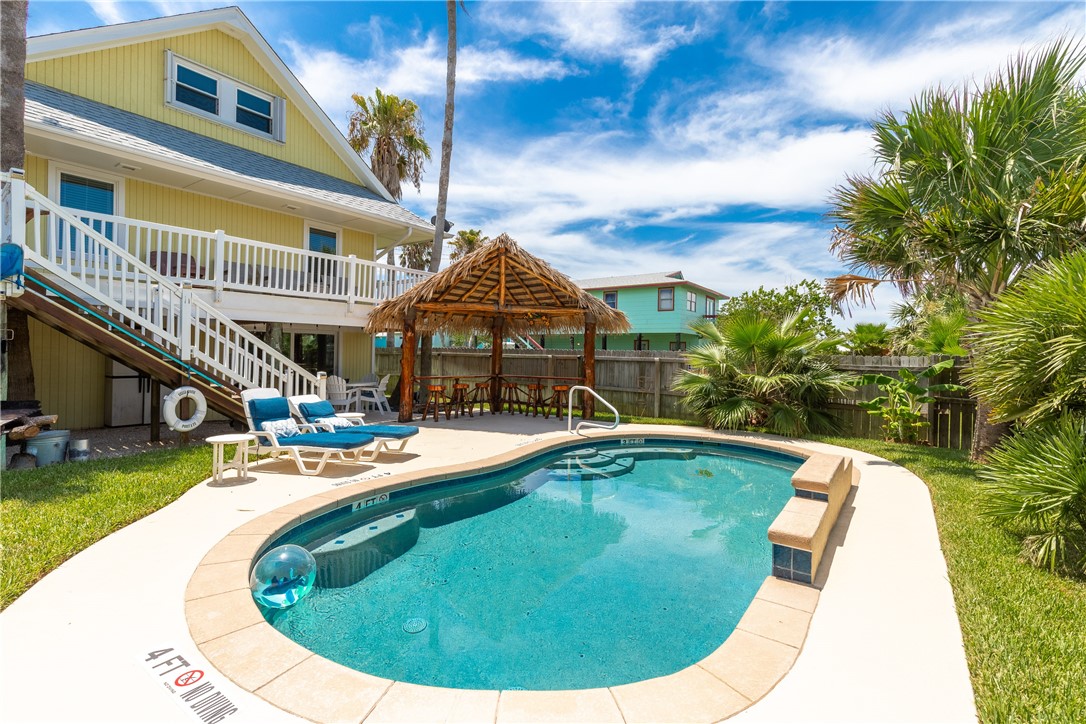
[(352, 416), (241, 455)]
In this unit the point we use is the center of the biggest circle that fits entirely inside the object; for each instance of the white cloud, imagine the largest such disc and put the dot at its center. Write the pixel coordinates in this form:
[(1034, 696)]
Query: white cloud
[(637, 35), (416, 71), (108, 11)]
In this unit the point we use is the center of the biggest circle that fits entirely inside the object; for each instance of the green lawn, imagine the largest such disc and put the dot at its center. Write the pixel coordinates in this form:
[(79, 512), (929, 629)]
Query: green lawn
[(49, 514), (1024, 629)]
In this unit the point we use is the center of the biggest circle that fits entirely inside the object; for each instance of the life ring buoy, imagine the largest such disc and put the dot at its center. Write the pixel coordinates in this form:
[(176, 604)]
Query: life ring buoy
[(172, 402)]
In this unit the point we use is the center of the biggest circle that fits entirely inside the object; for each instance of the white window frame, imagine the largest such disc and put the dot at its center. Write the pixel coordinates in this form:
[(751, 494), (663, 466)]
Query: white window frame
[(692, 302), (710, 303), (57, 168), (337, 230), (228, 99)]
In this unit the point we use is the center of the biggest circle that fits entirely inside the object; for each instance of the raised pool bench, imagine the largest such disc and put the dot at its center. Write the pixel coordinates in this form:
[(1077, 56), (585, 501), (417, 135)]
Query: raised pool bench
[(800, 532)]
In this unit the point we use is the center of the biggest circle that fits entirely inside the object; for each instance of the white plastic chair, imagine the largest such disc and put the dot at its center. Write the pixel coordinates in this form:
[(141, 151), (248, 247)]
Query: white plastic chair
[(375, 396), (342, 399)]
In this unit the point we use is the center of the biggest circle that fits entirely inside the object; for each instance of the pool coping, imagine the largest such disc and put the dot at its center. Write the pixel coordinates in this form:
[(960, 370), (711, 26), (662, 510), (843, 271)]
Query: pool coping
[(231, 633)]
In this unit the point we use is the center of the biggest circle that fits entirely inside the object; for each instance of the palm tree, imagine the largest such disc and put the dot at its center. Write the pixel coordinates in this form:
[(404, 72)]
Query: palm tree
[(868, 338), (394, 128), (467, 241), (754, 372), (446, 136), (16, 370), (975, 186), (1030, 345)]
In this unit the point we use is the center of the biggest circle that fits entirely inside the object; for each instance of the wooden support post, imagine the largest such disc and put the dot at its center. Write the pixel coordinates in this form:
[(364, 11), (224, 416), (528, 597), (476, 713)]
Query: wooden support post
[(497, 343), (407, 370), (588, 408), (156, 410), (656, 387)]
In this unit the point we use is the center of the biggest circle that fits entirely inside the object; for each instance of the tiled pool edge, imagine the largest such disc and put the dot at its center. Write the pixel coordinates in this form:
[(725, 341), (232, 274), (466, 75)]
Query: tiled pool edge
[(228, 628)]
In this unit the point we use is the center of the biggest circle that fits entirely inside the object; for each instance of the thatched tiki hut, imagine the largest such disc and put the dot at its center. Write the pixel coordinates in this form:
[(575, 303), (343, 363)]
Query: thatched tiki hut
[(499, 289)]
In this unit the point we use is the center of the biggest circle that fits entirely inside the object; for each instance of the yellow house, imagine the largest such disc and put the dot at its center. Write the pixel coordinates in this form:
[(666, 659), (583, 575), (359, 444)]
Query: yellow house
[(181, 182)]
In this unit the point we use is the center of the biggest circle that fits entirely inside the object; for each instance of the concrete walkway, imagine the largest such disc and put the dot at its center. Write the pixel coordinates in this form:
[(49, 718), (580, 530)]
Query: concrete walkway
[(884, 643)]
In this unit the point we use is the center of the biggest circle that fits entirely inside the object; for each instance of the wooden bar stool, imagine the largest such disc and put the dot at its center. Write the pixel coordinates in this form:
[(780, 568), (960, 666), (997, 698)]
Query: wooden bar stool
[(459, 402), (439, 399), (479, 396), (535, 403), (511, 396), (558, 400)]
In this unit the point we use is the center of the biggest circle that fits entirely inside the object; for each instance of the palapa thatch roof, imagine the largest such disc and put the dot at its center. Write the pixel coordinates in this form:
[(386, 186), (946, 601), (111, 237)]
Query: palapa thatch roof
[(498, 280)]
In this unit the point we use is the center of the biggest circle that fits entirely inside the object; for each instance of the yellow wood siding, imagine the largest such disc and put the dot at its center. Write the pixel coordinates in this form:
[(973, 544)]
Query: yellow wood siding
[(165, 205), (358, 243), (132, 78), (37, 173), (354, 358), (70, 378)]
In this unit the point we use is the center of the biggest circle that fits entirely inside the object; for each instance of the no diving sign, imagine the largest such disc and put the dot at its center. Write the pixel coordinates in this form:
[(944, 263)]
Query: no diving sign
[(188, 687)]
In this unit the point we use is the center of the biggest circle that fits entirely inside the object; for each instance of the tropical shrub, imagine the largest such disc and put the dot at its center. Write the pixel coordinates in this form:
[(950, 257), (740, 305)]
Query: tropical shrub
[(868, 339), (752, 372), (807, 302), (1030, 345), (931, 321), (903, 397), (1035, 482)]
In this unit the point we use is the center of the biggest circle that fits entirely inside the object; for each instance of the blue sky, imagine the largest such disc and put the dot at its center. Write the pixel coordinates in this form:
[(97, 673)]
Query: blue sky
[(624, 138)]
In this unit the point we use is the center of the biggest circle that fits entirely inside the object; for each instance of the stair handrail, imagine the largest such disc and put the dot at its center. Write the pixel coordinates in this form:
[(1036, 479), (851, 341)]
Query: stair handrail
[(269, 368), (588, 423)]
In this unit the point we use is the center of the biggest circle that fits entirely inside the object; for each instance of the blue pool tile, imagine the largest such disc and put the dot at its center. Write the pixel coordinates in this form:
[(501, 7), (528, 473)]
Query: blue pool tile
[(801, 577), (782, 556), (785, 573), (801, 561)]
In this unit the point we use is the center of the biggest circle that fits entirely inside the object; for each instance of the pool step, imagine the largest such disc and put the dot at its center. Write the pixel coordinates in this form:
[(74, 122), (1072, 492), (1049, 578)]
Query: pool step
[(591, 467), (346, 559), (659, 453)]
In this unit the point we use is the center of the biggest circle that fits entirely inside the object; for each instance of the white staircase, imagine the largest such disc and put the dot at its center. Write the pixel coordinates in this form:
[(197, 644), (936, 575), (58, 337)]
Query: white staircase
[(81, 262)]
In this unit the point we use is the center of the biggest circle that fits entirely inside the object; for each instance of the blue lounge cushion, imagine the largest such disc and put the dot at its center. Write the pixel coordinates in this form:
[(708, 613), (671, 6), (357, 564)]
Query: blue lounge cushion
[(268, 409), (333, 440), (313, 410), (397, 432)]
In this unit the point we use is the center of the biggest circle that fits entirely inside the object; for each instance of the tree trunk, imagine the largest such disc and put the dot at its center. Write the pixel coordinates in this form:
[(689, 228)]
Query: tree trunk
[(15, 361), (986, 434), (446, 139), (425, 353), (274, 337)]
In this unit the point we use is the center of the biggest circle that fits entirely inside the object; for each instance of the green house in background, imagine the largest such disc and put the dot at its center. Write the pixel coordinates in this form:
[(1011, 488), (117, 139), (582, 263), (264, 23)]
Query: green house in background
[(660, 307)]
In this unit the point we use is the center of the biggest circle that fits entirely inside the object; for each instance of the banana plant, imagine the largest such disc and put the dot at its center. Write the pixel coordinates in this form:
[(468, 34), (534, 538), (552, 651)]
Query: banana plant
[(903, 399)]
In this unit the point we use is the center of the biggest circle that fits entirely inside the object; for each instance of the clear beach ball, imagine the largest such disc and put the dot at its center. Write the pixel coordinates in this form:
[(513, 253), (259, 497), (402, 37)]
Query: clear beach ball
[(283, 576)]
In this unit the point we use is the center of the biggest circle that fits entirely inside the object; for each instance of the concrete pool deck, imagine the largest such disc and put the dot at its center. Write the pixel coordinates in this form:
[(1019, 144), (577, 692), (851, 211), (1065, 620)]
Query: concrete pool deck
[(883, 644)]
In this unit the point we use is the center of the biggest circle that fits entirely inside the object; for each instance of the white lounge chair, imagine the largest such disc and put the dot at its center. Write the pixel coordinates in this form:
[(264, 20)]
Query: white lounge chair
[(277, 433), (312, 410)]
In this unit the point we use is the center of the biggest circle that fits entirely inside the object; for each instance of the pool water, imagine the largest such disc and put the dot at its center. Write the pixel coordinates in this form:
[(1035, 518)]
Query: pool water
[(600, 567)]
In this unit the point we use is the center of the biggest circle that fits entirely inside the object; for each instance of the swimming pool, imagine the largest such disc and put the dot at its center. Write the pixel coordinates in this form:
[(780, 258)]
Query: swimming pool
[(583, 568)]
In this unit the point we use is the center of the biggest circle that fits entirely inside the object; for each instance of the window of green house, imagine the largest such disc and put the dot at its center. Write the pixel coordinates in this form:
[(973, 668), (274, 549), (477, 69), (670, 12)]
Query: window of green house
[(691, 302), (710, 307), (665, 299), (611, 299)]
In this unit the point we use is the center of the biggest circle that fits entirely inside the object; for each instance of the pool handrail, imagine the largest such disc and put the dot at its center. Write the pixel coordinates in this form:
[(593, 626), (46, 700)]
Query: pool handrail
[(588, 423)]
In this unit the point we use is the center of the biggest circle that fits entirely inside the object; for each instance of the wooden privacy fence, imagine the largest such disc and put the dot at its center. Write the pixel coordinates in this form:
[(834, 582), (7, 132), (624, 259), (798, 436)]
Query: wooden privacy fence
[(639, 383)]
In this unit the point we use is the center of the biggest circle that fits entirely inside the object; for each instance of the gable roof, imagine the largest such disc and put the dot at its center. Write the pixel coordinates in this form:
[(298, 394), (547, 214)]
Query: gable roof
[(231, 21), (655, 279), (96, 124)]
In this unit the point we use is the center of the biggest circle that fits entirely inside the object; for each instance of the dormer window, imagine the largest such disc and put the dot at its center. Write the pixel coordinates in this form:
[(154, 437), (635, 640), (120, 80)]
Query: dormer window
[(194, 88)]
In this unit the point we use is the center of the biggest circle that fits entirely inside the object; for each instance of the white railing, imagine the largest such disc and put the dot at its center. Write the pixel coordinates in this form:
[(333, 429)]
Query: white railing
[(137, 296), (216, 260), (588, 423)]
